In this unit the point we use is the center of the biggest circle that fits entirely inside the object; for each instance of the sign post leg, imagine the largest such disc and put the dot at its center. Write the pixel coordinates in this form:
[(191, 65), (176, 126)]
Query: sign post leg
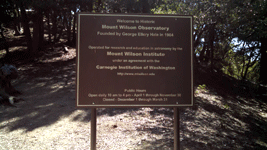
[(93, 129), (176, 129)]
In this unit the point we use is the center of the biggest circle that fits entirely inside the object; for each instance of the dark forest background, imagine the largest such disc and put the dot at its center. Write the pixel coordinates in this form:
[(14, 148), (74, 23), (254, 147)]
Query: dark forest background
[(230, 36)]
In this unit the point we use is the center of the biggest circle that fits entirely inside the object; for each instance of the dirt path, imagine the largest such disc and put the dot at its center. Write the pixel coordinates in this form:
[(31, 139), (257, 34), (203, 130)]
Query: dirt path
[(48, 119)]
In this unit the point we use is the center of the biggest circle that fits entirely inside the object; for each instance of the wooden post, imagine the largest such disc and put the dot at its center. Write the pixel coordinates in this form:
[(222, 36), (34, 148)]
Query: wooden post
[(176, 129), (93, 129)]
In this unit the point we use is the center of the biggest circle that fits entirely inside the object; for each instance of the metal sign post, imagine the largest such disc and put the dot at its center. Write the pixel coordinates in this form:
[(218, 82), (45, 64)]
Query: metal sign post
[(176, 129), (93, 128)]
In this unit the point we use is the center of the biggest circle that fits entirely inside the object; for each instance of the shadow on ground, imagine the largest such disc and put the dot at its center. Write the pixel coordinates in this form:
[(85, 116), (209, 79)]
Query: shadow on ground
[(49, 93), (223, 118)]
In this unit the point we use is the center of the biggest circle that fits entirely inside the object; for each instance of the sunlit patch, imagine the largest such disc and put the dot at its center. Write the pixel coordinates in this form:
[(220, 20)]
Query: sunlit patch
[(40, 84), (263, 114), (262, 143), (47, 105), (60, 56)]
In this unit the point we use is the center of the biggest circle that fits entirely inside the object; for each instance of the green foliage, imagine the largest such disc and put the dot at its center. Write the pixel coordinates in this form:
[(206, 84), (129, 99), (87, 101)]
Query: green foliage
[(5, 11), (216, 24), (226, 106), (235, 66), (201, 87)]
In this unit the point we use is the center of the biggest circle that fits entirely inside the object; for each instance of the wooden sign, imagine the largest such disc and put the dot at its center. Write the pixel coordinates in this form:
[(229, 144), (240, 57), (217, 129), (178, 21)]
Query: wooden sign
[(134, 60)]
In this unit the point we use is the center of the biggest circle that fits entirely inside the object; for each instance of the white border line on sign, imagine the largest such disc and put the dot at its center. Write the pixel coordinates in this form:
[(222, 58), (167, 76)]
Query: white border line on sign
[(78, 60), (144, 16)]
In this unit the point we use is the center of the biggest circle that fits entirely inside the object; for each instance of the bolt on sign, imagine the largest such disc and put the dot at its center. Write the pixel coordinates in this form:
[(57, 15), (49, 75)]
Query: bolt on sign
[(134, 60)]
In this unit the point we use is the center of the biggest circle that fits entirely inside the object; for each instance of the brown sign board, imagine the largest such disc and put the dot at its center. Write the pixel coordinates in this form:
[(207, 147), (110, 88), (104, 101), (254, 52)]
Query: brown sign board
[(134, 60)]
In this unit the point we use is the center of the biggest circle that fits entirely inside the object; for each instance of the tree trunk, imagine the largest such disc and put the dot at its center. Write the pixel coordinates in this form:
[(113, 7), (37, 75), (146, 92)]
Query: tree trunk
[(26, 27), (16, 22), (68, 23), (211, 45), (146, 6), (65, 24), (90, 6), (36, 32), (263, 61), (86, 6), (207, 56), (98, 5), (41, 31), (54, 22), (48, 26), (60, 28), (244, 75), (74, 30), (59, 34), (4, 42), (202, 53)]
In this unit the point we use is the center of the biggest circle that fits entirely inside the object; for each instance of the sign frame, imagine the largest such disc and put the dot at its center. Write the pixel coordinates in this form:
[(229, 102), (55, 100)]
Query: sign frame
[(79, 69)]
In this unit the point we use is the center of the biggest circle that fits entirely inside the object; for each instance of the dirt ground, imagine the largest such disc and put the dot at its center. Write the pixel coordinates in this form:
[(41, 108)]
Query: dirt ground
[(48, 118)]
